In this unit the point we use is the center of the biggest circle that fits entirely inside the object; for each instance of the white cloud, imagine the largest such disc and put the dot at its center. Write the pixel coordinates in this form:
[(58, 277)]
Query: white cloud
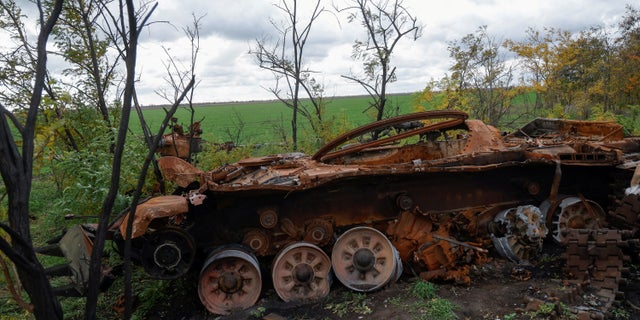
[(230, 73), (226, 71)]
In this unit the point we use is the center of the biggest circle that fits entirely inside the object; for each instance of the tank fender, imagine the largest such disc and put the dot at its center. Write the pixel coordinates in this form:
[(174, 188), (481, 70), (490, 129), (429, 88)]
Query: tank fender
[(154, 208), (179, 171)]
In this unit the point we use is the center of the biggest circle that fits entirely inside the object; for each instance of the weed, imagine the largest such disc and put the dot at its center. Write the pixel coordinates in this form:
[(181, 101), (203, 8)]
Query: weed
[(424, 290), (351, 302), (548, 310), (510, 316), (544, 310), (258, 312), (441, 309), (566, 313), (396, 301), (26, 315), (620, 314)]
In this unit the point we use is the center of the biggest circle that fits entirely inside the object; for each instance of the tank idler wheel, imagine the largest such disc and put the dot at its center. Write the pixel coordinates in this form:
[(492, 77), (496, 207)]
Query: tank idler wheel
[(572, 213), (168, 253), (230, 280), (301, 272), (364, 259)]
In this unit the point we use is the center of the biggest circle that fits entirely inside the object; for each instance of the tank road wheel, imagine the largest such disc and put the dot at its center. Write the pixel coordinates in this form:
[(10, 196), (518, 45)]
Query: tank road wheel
[(572, 213), (365, 260), (168, 253), (519, 233), (229, 280), (301, 271)]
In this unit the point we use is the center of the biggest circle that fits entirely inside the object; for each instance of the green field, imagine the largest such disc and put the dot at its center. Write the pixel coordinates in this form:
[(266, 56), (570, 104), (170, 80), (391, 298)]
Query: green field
[(260, 121)]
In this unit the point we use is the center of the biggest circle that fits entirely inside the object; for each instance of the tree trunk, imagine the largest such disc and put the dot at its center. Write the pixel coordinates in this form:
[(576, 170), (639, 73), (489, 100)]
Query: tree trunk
[(33, 279)]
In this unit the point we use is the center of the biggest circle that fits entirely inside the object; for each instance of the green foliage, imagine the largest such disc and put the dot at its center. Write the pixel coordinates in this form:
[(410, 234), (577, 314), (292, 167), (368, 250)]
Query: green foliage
[(16, 64), (630, 120), (258, 312), (352, 302), (549, 310), (481, 80), (510, 316), (323, 131), (154, 292), (424, 290), (558, 112), (214, 156), (598, 113), (440, 309), (86, 175), (73, 164), (9, 309), (18, 315), (431, 306), (545, 310), (620, 314)]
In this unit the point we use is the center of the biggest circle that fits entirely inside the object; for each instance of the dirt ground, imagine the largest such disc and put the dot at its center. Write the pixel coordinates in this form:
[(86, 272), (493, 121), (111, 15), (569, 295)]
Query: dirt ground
[(499, 290)]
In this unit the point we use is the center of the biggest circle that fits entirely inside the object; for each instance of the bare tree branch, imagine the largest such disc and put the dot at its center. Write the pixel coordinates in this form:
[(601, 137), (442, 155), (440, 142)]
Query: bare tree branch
[(285, 61), (386, 23)]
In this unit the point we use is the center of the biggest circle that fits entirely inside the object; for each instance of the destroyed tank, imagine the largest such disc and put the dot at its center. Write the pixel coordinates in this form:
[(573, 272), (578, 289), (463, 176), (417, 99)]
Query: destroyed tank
[(429, 193)]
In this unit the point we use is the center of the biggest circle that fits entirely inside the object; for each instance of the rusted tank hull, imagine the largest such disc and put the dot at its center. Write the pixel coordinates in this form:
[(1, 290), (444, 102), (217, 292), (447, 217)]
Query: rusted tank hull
[(433, 192)]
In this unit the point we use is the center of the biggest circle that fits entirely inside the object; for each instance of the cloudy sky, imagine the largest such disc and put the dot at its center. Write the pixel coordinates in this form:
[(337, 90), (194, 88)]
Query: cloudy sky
[(227, 72)]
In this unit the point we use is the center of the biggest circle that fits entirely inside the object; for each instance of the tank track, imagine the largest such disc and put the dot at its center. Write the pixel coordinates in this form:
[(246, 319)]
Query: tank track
[(595, 265), (627, 213), (595, 259)]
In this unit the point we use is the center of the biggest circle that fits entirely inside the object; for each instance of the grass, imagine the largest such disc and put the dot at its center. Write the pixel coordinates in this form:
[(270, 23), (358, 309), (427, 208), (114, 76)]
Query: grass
[(551, 310), (429, 305), (441, 309), (424, 290), (420, 301), (262, 119), (350, 302)]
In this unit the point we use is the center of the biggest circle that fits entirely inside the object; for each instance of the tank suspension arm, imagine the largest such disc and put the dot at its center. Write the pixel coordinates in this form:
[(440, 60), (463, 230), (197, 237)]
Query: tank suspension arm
[(553, 194), (587, 205), (460, 243), (635, 180)]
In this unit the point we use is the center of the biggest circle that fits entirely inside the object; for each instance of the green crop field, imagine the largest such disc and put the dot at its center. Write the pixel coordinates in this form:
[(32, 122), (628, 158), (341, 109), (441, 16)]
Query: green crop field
[(259, 121)]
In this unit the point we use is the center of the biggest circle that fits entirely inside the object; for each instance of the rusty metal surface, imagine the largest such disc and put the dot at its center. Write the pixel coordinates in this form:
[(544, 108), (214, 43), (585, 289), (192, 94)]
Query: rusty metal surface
[(446, 191), (426, 194), (301, 271), (181, 144), (155, 208), (179, 171)]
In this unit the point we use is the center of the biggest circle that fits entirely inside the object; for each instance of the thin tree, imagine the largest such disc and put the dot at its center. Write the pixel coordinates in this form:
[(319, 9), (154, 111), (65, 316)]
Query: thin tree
[(482, 76), (284, 59), (18, 66), (535, 52), (16, 167), (629, 57), (126, 24), (78, 42), (177, 76), (386, 23)]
